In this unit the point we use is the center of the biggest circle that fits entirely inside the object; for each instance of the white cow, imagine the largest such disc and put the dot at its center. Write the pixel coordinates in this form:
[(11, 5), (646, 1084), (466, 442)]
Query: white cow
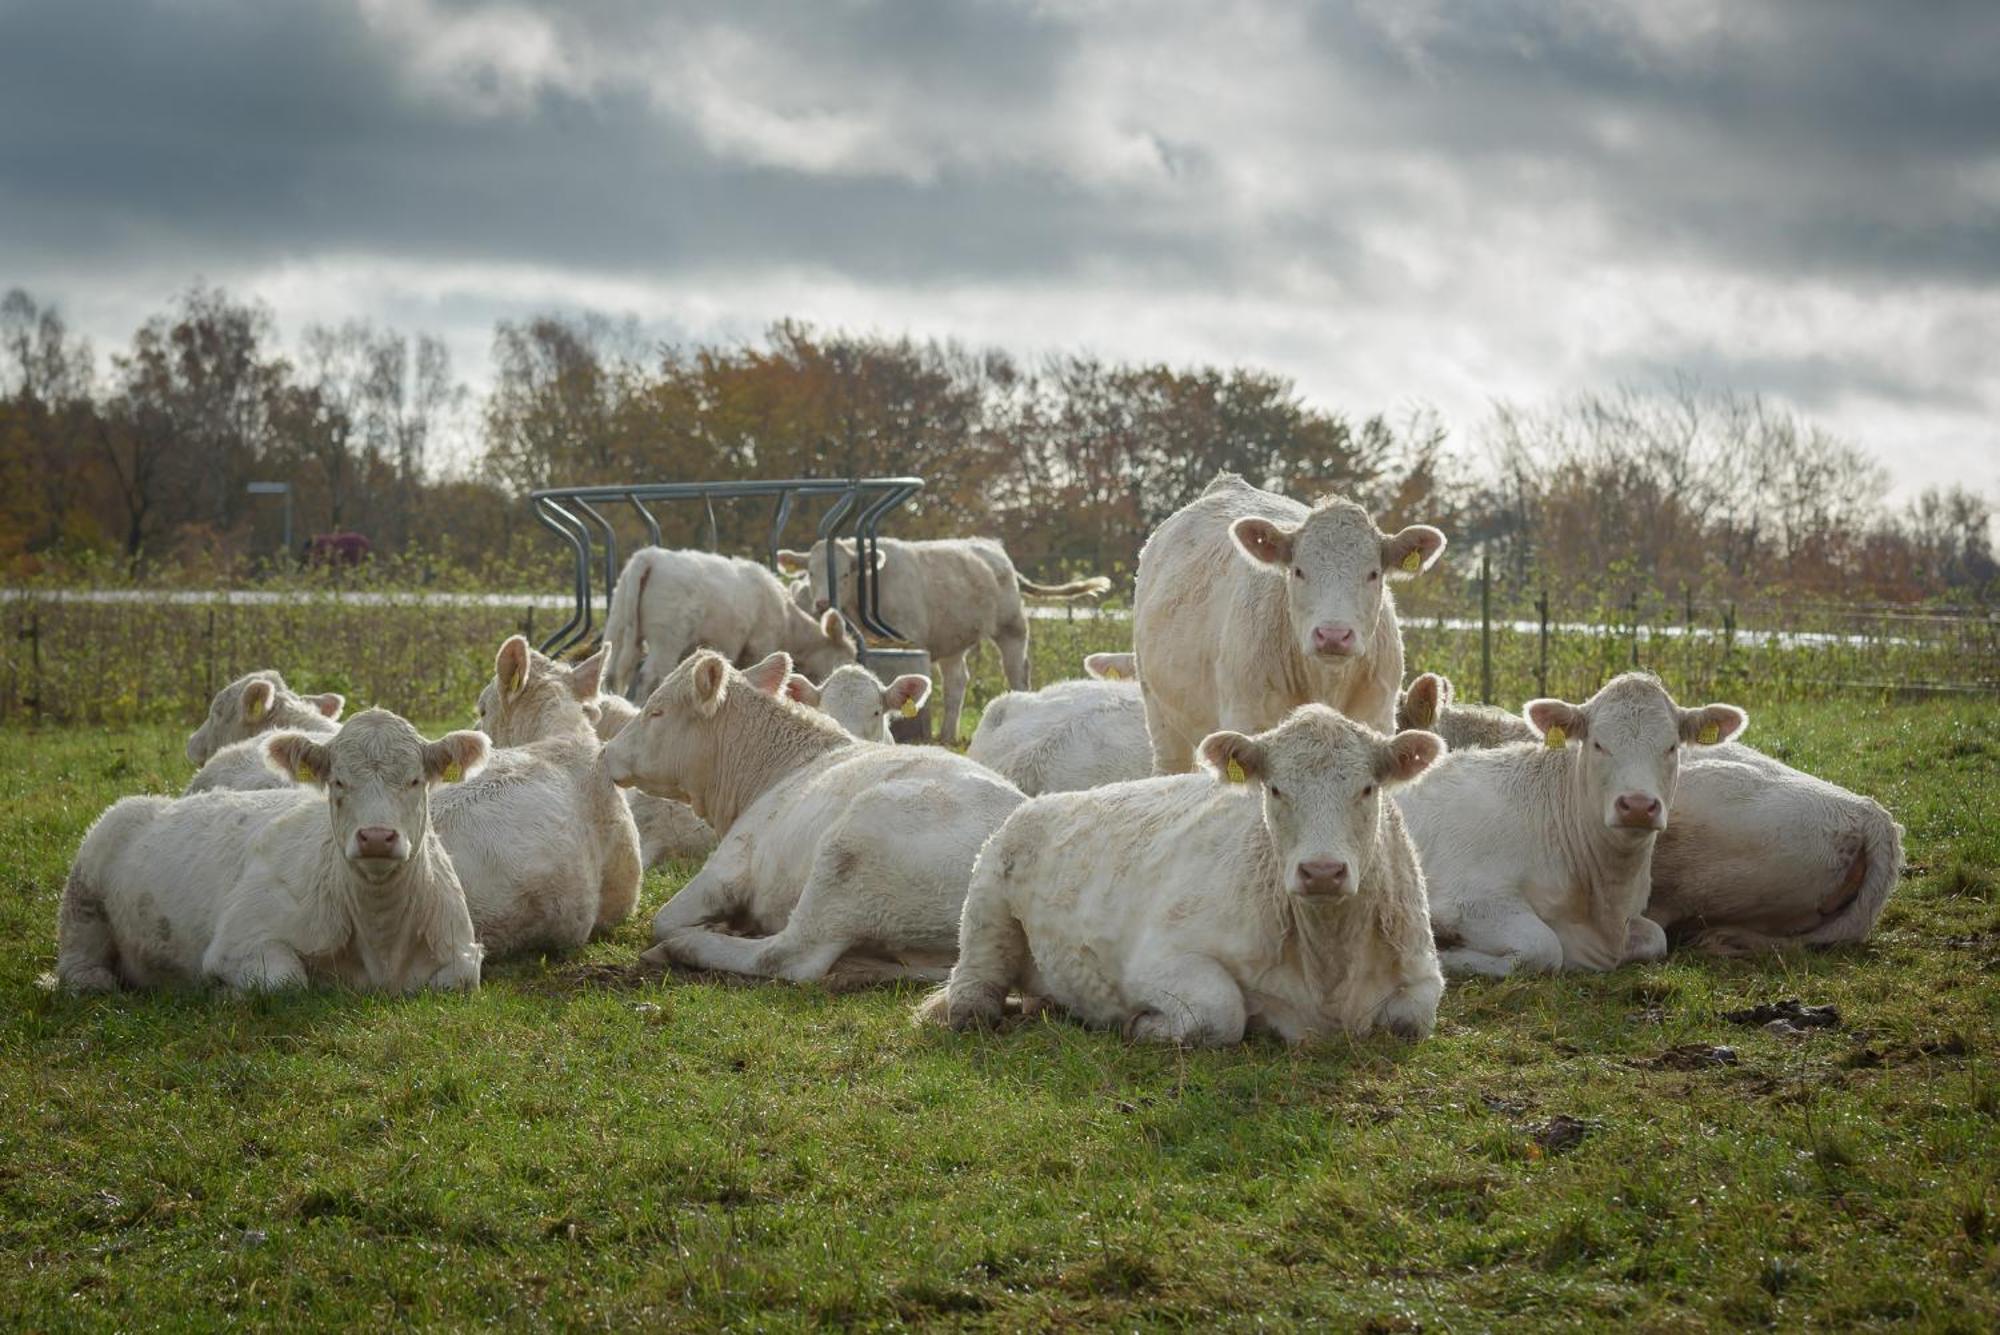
[(225, 747), (1757, 855), (668, 829), (543, 841), (945, 596), (1539, 855), (856, 699), (280, 888), (1250, 604), (669, 603), (834, 852), (1186, 909), (1070, 735)]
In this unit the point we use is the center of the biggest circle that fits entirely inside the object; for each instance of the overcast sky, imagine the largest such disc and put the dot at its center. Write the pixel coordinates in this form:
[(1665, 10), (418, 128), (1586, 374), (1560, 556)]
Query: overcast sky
[(1396, 203)]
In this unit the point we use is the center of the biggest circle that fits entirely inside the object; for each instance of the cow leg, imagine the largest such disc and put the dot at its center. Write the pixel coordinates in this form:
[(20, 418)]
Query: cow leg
[(1190, 1000), (1502, 943), (953, 673), (266, 967), (708, 897), (1645, 941), (1411, 1011), (1172, 753), (1013, 642)]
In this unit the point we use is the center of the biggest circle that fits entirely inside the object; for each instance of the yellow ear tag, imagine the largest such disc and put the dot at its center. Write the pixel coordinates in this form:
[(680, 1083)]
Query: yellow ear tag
[(1711, 733), (1555, 737), (520, 680), (255, 712), (1113, 674), (909, 709), (1234, 771), (453, 772), (306, 773), (1413, 559)]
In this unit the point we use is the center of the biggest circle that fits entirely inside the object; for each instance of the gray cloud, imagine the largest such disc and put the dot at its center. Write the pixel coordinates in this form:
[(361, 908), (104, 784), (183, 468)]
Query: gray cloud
[(1391, 200)]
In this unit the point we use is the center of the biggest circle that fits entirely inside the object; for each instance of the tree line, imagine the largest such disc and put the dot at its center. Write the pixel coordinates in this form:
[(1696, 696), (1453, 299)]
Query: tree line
[(1069, 458)]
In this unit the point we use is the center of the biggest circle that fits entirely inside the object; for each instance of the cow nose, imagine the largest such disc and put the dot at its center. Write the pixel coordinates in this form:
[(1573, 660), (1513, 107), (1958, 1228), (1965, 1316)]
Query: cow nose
[(1322, 875), (376, 841), (1638, 809), (1334, 640)]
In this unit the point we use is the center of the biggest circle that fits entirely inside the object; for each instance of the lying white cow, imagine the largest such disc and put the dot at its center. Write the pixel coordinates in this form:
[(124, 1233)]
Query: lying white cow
[(543, 841), (1756, 855), (1539, 855), (1187, 910), (945, 596), (1070, 735), (1250, 604), (225, 747), (834, 852), (279, 889), (856, 699), (669, 603), (668, 829)]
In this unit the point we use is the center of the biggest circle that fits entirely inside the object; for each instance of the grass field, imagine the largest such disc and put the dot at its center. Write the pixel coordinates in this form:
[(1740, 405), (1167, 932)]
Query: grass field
[(583, 1144)]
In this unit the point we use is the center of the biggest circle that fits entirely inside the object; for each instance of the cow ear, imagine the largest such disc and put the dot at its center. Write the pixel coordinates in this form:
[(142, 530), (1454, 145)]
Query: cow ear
[(801, 689), (510, 666), (256, 702), (1556, 722), (330, 704), (298, 757), (1415, 549), (906, 694), (711, 681), (1264, 540), (768, 675), (1423, 700), (1712, 724), (1233, 757), (792, 562), (1112, 667), (455, 756), (585, 677), (831, 626), (1408, 754)]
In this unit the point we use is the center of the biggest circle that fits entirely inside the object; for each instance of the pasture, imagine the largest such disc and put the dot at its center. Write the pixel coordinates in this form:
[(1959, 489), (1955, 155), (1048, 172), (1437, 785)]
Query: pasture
[(583, 1142)]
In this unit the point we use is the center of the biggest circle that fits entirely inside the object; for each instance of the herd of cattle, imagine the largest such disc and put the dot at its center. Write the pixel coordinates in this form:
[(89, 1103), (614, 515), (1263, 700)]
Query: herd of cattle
[(1248, 823)]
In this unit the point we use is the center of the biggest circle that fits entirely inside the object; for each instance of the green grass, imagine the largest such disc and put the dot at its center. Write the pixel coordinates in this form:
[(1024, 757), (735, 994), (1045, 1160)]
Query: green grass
[(581, 1144)]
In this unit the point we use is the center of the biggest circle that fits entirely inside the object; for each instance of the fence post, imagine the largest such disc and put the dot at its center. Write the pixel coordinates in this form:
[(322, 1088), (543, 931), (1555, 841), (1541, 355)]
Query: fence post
[(208, 671), (1485, 630), (35, 660), (1634, 604), (1542, 661), (1728, 630)]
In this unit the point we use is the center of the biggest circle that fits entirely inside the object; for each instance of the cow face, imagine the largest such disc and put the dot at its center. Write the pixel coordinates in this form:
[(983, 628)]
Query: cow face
[(1334, 563), (254, 703), (1628, 740), (1322, 777), (531, 696), (853, 698), (826, 646), (845, 568), (376, 773), (671, 749)]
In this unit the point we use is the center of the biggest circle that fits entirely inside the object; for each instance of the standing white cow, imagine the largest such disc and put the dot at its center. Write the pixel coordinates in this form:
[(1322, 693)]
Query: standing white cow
[(1069, 735), (835, 852), (856, 699), (945, 596), (1539, 855), (544, 842), (1757, 854), (1250, 604), (669, 603), (280, 888), (226, 747), (1188, 910)]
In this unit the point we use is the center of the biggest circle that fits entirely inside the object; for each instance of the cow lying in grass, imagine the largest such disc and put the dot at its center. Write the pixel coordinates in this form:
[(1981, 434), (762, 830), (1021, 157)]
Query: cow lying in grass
[(343, 881), (1249, 604), (856, 699), (1069, 735), (1190, 909), (1539, 854), (1756, 854), (224, 748), (836, 854)]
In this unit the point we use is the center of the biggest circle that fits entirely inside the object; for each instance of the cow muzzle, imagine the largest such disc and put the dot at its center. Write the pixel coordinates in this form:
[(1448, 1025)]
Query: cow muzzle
[(1322, 876), (1638, 811), (1331, 640), (378, 851)]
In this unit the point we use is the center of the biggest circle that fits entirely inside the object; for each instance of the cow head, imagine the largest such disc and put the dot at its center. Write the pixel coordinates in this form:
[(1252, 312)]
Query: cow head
[(673, 748), (532, 697), (852, 697), (1322, 777), (845, 566), (1627, 742), (1334, 563), (376, 773), (254, 703)]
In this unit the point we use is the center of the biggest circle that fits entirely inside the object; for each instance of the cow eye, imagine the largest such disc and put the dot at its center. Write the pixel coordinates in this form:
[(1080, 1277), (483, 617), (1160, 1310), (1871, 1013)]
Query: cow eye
[(1297, 573), (1599, 748), (655, 713), (1369, 791), (1675, 747), (1275, 792), (1374, 574)]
